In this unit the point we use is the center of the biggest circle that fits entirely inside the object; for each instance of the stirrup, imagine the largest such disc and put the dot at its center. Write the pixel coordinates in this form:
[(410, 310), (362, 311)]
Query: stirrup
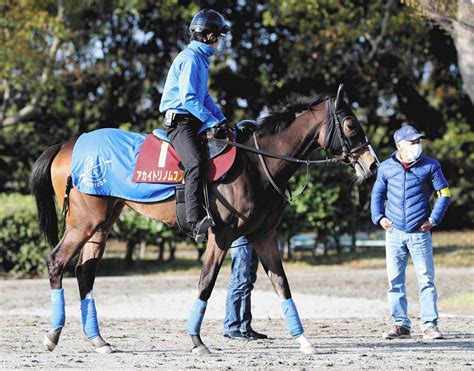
[(201, 227), (206, 205)]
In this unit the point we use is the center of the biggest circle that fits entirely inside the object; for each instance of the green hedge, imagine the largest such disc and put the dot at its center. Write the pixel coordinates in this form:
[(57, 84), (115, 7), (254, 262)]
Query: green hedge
[(23, 249)]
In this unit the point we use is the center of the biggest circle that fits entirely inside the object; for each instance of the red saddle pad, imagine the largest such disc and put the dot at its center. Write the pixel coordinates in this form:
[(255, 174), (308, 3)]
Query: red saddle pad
[(158, 162)]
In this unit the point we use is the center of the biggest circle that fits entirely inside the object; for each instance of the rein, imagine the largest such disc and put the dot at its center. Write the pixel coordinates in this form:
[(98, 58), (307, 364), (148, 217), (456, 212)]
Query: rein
[(290, 198), (272, 154)]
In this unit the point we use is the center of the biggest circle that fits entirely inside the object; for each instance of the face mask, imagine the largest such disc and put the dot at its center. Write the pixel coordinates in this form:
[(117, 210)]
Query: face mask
[(412, 152)]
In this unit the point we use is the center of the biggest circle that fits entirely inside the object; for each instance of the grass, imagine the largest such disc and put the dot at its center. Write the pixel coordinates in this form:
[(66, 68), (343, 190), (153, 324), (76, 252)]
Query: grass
[(462, 303)]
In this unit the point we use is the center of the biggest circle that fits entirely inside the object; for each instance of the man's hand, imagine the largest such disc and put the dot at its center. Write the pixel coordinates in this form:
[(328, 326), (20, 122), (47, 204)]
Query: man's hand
[(386, 224), (426, 226), (220, 130)]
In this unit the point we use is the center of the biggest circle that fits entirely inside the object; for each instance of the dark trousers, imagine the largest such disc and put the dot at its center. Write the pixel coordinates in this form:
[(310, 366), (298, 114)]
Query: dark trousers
[(185, 140)]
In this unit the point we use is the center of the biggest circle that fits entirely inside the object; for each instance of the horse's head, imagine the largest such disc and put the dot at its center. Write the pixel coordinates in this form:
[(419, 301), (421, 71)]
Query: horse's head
[(345, 138)]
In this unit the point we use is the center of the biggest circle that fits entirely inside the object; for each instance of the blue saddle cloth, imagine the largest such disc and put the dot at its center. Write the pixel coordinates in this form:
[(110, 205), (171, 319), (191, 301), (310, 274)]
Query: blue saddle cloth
[(103, 162)]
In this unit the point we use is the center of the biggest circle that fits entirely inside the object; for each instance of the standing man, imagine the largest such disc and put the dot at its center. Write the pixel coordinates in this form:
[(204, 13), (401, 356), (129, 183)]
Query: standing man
[(190, 110), (238, 315), (400, 204)]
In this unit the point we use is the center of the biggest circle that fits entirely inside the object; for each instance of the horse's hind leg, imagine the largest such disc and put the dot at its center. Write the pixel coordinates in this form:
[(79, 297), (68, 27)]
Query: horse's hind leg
[(57, 260), (267, 250), (86, 214), (86, 270), (213, 258)]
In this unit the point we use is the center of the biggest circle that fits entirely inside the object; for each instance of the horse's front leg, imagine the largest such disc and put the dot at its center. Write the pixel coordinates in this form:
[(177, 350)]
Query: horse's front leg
[(267, 250), (212, 262)]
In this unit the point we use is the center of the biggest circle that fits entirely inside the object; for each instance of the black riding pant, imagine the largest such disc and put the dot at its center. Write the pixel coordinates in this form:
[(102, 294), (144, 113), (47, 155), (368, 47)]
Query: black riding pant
[(185, 140)]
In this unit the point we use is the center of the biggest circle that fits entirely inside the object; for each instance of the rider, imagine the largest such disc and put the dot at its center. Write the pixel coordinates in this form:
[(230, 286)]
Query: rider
[(190, 110)]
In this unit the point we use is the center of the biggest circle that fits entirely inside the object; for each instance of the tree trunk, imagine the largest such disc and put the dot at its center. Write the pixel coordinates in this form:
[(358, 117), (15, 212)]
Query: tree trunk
[(161, 251), (200, 254), (463, 36), (172, 247), (289, 255), (129, 253)]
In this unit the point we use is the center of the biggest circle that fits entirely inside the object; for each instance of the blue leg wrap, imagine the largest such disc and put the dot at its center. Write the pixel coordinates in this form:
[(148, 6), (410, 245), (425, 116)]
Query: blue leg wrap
[(196, 317), (90, 324), (292, 318), (58, 312)]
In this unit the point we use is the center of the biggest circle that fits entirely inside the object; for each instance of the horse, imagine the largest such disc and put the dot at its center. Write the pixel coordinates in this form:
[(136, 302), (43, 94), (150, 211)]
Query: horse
[(247, 202)]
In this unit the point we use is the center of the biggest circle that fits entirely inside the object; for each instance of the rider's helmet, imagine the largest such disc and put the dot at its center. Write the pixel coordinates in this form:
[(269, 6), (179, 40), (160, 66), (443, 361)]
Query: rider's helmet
[(209, 21)]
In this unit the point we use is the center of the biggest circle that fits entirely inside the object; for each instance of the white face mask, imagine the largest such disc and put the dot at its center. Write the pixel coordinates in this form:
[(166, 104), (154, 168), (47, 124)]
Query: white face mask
[(412, 151)]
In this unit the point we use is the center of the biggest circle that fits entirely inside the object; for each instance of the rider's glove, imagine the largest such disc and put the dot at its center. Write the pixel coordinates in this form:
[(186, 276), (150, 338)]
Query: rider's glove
[(220, 130)]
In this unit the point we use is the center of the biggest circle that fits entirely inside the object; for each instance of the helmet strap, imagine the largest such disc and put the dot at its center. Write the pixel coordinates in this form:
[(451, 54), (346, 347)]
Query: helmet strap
[(211, 38)]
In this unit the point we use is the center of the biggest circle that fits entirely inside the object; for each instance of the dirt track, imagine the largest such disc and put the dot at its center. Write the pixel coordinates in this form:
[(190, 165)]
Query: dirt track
[(343, 311)]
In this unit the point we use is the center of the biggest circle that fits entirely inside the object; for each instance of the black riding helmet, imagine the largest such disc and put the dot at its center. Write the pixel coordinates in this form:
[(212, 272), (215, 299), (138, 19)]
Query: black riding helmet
[(209, 21)]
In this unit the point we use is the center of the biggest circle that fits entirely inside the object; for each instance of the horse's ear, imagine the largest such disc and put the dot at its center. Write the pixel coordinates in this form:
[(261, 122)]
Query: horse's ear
[(339, 96)]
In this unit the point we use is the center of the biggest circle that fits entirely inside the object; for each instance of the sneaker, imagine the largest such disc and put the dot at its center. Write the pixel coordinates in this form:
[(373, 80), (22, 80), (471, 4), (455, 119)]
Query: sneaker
[(254, 335), (432, 332), (397, 332), (235, 335), (200, 229)]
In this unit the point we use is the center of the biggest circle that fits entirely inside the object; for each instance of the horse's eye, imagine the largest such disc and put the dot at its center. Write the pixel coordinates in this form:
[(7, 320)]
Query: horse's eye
[(350, 125)]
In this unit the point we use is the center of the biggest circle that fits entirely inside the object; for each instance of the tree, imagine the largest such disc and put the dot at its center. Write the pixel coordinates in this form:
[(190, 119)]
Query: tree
[(112, 58), (456, 18)]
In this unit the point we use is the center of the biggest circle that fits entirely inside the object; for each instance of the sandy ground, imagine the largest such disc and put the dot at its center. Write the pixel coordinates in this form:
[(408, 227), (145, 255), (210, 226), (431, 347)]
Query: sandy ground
[(344, 313)]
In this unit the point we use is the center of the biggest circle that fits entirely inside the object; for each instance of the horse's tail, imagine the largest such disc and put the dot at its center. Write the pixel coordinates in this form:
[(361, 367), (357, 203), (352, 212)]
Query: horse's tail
[(42, 188)]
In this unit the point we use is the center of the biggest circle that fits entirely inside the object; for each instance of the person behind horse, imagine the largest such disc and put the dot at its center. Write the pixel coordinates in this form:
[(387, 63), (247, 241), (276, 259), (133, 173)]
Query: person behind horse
[(190, 110), (238, 314), (401, 205)]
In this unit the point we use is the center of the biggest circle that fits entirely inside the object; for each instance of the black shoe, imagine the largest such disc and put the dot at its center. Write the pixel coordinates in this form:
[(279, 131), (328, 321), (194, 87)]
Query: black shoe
[(200, 229), (254, 335), (397, 332), (235, 335)]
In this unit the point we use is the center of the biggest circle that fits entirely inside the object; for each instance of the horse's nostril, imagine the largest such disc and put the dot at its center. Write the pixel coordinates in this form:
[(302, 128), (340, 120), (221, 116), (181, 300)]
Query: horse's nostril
[(373, 167)]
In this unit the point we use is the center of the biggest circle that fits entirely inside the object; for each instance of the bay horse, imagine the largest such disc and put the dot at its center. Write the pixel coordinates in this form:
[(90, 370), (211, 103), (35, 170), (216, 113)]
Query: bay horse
[(248, 202)]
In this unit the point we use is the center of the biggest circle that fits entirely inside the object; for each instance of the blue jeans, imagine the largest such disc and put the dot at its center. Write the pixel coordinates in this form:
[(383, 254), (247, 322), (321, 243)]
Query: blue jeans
[(419, 245), (238, 315)]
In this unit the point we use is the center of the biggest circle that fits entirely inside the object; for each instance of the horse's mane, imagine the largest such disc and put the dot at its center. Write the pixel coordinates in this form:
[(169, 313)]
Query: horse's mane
[(285, 113)]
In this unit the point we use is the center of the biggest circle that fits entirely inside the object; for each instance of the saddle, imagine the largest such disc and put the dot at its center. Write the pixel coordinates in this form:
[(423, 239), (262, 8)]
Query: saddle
[(158, 161)]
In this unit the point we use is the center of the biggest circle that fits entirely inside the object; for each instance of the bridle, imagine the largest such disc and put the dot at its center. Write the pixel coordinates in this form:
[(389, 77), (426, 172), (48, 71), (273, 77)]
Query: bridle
[(338, 142)]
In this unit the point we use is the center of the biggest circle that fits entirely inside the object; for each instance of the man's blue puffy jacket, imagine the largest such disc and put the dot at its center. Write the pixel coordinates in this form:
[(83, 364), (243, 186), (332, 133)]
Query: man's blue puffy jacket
[(403, 196), (185, 89)]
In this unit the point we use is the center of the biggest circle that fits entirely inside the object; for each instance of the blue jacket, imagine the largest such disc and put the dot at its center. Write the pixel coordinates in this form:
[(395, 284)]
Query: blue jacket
[(186, 85), (403, 196)]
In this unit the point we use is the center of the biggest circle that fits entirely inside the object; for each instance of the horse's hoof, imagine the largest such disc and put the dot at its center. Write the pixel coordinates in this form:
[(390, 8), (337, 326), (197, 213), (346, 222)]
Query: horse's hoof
[(101, 346), (104, 350), (51, 338), (201, 349), (308, 349), (49, 345)]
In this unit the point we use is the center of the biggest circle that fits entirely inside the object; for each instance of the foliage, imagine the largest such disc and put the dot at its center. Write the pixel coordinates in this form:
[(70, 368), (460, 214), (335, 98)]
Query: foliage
[(132, 226), (22, 249), (455, 151), (113, 57)]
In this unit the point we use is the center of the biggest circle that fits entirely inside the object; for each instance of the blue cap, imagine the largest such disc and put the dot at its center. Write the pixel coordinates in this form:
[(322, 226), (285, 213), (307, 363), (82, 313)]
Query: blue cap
[(406, 132)]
